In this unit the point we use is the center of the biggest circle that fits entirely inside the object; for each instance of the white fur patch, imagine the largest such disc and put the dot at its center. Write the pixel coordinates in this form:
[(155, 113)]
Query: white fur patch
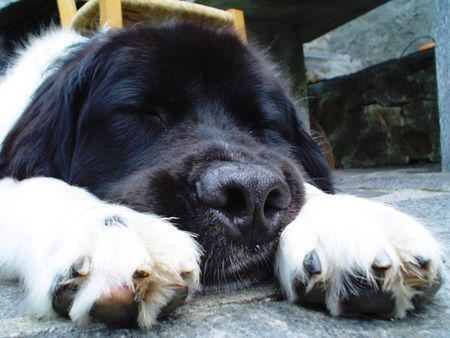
[(347, 233), (46, 225)]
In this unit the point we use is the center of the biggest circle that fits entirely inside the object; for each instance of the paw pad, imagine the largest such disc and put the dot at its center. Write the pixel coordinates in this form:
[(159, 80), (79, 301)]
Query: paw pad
[(118, 308)]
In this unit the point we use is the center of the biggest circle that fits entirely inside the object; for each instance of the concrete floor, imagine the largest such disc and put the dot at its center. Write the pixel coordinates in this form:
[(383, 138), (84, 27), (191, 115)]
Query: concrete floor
[(421, 191)]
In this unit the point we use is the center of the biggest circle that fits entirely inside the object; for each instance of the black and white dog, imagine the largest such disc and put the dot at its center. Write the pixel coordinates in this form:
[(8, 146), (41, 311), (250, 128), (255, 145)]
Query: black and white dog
[(139, 164)]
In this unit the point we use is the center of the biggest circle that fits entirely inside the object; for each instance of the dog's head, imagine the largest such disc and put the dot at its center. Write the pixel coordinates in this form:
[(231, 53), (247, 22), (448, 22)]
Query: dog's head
[(181, 121)]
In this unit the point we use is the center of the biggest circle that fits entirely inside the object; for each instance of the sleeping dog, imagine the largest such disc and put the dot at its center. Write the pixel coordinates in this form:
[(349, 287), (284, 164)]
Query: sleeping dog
[(139, 164)]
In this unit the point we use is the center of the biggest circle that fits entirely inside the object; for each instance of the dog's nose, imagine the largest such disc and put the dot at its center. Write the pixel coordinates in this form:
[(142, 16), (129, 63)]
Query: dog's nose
[(250, 199)]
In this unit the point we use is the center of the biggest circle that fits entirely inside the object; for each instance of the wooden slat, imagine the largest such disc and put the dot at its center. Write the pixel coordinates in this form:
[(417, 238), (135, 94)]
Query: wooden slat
[(111, 13), (67, 10), (239, 23)]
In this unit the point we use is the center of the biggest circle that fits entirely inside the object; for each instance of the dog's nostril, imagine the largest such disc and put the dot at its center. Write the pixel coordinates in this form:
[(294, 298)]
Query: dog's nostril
[(276, 200), (235, 205)]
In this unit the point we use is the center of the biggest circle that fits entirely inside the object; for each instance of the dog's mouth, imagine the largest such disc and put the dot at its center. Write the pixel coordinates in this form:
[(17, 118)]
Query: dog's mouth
[(237, 266)]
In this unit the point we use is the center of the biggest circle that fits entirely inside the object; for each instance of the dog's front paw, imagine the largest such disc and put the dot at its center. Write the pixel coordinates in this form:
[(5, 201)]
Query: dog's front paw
[(124, 268), (357, 257)]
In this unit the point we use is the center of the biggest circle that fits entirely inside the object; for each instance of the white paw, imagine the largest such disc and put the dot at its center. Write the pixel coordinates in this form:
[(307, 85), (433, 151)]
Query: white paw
[(357, 256), (120, 267)]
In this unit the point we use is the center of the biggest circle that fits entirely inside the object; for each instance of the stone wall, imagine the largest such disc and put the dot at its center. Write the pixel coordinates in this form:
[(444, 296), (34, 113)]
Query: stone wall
[(384, 115)]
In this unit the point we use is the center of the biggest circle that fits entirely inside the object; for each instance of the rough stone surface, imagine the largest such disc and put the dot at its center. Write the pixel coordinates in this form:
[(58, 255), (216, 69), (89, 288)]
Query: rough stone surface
[(421, 191), (386, 114), (399, 26), (442, 33)]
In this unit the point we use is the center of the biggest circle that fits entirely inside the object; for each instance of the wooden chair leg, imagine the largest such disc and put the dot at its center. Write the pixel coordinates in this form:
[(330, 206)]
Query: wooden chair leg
[(111, 13), (67, 10), (239, 23)]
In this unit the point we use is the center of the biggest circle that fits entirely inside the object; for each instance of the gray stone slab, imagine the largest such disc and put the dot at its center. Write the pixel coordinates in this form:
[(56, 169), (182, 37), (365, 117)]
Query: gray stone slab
[(393, 29), (423, 192)]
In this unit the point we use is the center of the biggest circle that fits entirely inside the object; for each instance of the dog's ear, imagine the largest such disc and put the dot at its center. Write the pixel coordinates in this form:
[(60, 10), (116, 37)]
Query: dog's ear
[(41, 143), (309, 155)]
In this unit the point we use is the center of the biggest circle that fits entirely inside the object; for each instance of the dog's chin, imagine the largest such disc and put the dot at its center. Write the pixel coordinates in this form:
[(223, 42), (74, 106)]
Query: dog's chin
[(239, 267)]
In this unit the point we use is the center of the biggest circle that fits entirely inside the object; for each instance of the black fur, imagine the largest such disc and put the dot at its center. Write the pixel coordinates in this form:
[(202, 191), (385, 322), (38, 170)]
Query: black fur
[(139, 115)]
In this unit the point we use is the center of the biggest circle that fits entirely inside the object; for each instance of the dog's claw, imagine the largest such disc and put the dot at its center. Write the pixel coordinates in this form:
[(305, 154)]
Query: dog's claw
[(188, 276), (382, 261), (312, 264), (422, 262), (81, 267), (142, 272), (316, 294)]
